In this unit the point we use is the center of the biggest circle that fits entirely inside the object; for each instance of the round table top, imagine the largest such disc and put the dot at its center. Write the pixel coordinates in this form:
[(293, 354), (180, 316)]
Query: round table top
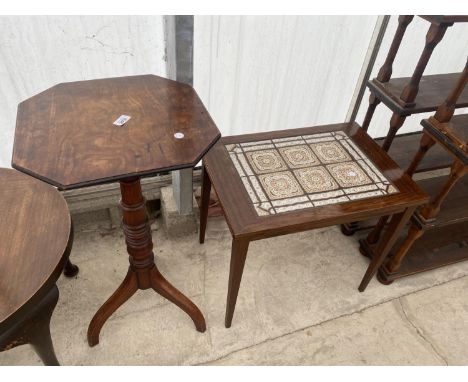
[(35, 229), (66, 135)]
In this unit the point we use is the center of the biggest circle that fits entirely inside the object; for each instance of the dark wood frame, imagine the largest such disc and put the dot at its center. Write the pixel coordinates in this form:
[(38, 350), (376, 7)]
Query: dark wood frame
[(148, 144), (401, 94), (441, 129), (245, 225), (410, 95)]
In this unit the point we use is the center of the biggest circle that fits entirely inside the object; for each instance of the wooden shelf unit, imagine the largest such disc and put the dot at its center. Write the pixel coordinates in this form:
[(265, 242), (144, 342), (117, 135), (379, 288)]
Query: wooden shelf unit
[(453, 135), (454, 208), (444, 246), (432, 92), (447, 241), (416, 94), (442, 143), (446, 213)]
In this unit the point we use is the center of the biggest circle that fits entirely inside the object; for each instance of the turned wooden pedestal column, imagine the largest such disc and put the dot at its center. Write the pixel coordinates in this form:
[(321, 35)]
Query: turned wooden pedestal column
[(142, 272)]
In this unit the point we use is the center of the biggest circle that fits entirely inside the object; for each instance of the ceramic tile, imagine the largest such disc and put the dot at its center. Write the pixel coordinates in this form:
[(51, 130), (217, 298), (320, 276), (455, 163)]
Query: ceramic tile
[(299, 156), (280, 185), (265, 161), (349, 174), (299, 172), (330, 152), (316, 179)]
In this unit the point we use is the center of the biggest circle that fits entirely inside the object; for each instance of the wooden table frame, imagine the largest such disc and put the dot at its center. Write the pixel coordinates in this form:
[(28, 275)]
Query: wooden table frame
[(76, 144), (246, 226)]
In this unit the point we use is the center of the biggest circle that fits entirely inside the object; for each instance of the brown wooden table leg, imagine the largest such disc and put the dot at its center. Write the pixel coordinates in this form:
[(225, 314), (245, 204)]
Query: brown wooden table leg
[(392, 232), (39, 336), (35, 329), (238, 254), (142, 273)]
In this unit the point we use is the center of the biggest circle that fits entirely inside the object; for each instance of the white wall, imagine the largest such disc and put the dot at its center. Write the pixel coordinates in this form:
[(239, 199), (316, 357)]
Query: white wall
[(259, 73), (39, 52), (276, 72), (254, 73), (449, 56)]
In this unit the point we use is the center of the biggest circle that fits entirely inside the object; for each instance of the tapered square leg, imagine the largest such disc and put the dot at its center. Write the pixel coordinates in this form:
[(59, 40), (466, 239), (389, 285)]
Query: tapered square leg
[(385, 244), (238, 254)]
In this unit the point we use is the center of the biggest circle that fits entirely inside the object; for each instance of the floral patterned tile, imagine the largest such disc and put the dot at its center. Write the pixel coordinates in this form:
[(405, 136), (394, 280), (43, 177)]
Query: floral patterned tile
[(280, 185), (288, 174)]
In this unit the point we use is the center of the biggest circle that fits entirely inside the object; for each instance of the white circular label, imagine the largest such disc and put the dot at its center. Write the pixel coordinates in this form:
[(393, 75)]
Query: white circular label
[(352, 173), (178, 135)]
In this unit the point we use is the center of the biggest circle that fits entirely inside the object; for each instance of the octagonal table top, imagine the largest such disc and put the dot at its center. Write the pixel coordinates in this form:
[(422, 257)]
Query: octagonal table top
[(66, 135)]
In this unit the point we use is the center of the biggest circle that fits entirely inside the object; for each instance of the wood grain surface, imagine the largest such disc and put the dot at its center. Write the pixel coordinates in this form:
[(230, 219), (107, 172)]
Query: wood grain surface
[(432, 92), (243, 220), (35, 230), (65, 135)]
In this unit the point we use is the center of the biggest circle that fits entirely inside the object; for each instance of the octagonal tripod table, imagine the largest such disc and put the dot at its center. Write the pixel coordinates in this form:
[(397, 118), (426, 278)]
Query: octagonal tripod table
[(66, 136)]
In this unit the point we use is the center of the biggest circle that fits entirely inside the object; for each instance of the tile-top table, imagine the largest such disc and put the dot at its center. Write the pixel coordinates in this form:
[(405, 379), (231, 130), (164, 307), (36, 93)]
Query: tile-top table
[(281, 182), (66, 136)]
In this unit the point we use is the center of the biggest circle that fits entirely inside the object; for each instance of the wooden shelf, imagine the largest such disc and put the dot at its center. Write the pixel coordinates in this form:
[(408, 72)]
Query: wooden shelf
[(453, 134), (432, 92), (444, 243), (445, 240), (405, 146), (444, 246), (454, 208)]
